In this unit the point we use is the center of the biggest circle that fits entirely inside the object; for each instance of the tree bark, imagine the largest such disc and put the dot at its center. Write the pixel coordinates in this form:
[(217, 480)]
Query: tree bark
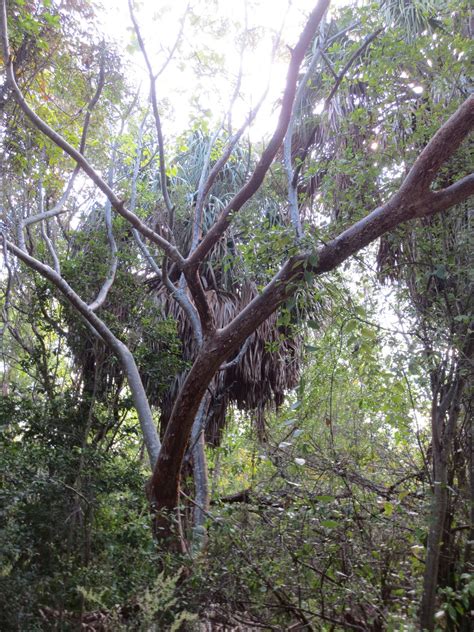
[(437, 520), (201, 494), (447, 398)]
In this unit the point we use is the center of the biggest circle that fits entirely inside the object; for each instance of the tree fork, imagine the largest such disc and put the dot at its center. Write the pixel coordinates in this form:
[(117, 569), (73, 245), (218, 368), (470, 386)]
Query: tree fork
[(413, 200)]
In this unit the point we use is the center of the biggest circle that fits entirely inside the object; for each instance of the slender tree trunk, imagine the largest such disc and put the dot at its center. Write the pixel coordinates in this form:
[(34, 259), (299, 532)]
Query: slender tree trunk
[(200, 475), (446, 570), (201, 496), (468, 558), (437, 521), (444, 417)]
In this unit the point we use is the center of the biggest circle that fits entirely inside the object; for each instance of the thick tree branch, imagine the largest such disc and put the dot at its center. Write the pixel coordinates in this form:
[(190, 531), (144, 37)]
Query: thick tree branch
[(452, 195), (442, 146), (407, 204), (44, 231), (256, 179)]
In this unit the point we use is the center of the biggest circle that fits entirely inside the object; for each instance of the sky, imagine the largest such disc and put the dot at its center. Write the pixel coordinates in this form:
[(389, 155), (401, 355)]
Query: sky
[(217, 35)]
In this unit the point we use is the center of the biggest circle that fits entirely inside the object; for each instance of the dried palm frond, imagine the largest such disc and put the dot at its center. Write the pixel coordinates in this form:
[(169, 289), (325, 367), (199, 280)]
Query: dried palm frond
[(266, 371)]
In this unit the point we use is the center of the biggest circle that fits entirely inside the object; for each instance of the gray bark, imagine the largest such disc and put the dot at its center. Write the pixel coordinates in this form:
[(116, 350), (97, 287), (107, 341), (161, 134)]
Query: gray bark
[(124, 355)]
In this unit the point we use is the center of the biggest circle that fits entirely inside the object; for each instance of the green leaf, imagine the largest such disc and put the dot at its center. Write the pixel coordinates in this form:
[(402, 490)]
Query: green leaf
[(325, 498), (440, 271), (351, 325)]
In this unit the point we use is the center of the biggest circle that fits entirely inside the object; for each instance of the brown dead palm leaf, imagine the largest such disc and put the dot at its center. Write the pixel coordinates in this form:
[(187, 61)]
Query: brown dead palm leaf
[(264, 374)]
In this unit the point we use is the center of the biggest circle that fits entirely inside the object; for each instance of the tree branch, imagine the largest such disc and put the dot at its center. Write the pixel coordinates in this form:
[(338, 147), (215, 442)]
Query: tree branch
[(58, 207), (104, 290), (440, 148), (349, 63), (256, 179), (76, 155), (156, 114), (150, 434)]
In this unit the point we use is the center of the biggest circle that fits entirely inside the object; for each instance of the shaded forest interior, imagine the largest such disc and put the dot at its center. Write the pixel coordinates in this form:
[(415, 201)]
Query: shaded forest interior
[(236, 362)]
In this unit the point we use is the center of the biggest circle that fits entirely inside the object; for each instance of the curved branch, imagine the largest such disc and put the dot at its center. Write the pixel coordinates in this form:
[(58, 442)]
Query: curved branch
[(452, 195), (235, 361), (58, 207), (76, 155), (104, 290), (368, 40), (150, 434)]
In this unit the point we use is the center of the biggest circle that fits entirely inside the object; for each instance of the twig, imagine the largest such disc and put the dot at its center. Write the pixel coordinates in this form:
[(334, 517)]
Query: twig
[(156, 114)]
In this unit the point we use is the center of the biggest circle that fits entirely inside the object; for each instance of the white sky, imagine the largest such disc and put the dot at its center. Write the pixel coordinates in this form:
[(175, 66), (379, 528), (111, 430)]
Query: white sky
[(223, 21)]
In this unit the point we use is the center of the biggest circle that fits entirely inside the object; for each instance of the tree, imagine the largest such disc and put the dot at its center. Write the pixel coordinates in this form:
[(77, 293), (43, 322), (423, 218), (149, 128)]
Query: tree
[(181, 272), (438, 285)]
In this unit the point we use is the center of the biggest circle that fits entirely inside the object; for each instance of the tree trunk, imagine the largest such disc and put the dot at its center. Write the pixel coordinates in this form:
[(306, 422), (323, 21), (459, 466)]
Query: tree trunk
[(201, 497), (447, 395), (433, 549), (468, 563)]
